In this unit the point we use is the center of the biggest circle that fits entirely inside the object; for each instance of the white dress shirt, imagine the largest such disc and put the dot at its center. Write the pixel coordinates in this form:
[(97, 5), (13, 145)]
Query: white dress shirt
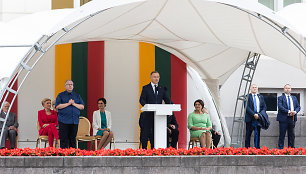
[(257, 101), (291, 103), (153, 86)]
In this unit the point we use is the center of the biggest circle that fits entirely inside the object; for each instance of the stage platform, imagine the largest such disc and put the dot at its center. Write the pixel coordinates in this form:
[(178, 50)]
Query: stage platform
[(250, 164)]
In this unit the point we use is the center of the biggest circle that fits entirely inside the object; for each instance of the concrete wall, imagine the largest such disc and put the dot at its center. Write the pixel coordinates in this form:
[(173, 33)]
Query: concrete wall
[(269, 138), (270, 75), (179, 164)]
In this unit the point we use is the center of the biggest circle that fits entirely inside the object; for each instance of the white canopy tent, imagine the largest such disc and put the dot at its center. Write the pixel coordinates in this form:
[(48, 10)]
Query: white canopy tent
[(212, 36), (295, 14)]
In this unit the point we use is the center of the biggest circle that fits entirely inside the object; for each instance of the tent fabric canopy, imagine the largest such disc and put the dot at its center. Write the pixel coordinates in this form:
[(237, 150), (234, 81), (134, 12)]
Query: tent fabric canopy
[(214, 37)]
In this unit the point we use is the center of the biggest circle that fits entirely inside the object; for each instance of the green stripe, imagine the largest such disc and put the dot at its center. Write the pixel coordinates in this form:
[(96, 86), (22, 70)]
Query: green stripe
[(163, 66), (79, 71), (79, 75)]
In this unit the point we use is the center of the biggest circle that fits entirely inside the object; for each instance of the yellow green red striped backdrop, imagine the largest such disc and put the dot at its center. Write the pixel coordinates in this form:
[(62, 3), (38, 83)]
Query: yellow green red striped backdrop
[(96, 69)]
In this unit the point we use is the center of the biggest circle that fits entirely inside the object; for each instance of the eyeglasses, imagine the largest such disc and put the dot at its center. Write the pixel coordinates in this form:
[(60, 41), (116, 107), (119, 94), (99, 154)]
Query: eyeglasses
[(100, 103), (69, 84)]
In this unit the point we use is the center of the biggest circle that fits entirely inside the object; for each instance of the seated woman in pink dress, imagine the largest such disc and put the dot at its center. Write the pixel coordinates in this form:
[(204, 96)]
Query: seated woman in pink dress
[(47, 119)]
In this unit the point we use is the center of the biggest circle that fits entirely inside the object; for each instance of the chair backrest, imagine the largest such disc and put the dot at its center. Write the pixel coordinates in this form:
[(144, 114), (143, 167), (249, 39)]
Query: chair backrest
[(84, 127)]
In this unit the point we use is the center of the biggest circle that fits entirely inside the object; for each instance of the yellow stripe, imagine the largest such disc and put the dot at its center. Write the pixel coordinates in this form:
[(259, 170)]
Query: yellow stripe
[(146, 63), (146, 66), (62, 66)]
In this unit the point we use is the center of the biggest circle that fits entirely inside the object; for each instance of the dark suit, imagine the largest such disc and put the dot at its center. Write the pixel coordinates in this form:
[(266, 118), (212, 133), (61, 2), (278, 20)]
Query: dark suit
[(251, 122), (148, 97), (174, 132), (11, 121), (216, 137), (286, 122)]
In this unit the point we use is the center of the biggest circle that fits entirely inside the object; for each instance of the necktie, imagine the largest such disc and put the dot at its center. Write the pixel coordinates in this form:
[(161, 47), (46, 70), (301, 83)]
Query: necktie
[(155, 90), (289, 103), (255, 104)]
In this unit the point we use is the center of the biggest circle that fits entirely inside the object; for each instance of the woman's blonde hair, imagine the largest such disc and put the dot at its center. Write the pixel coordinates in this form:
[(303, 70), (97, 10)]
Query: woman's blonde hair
[(44, 100)]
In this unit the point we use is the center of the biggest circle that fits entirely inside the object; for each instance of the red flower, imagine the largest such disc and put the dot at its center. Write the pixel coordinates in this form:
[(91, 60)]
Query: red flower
[(151, 152)]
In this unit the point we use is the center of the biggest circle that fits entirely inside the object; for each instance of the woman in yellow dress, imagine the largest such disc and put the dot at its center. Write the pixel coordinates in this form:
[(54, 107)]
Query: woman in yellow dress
[(199, 124)]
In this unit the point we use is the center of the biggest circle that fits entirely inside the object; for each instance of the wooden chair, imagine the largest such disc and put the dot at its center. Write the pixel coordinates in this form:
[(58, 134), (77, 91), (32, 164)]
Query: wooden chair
[(41, 138), (84, 132), (110, 143), (194, 142)]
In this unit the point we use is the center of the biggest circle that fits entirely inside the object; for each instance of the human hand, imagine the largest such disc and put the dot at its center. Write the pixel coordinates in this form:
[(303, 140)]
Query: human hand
[(292, 113), (204, 110), (169, 130), (12, 128), (256, 116), (172, 126), (45, 125)]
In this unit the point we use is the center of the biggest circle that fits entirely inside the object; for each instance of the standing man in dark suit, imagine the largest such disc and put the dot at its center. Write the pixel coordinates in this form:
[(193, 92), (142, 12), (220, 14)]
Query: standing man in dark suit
[(172, 131), (255, 106), (10, 128), (288, 107), (151, 93)]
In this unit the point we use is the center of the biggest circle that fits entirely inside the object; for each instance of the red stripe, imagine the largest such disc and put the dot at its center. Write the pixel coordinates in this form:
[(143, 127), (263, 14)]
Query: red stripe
[(179, 96), (95, 76)]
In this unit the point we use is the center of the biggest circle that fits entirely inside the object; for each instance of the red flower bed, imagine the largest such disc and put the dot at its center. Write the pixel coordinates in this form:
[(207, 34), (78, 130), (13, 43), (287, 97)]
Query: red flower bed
[(155, 152)]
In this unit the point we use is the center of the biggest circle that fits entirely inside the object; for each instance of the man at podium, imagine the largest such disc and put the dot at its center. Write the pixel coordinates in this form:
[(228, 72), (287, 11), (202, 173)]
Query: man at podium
[(151, 93)]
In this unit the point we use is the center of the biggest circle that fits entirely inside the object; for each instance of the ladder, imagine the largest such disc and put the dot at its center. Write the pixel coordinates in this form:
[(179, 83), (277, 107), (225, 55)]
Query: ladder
[(237, 134)]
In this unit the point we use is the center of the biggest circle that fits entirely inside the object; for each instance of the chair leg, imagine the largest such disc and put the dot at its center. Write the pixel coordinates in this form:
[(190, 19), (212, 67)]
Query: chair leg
[(37, 143), (77, 144), (114, 143), (96, 144)]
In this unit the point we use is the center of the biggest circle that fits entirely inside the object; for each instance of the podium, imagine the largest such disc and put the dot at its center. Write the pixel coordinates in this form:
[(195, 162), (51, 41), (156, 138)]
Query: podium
[(160, 121)]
